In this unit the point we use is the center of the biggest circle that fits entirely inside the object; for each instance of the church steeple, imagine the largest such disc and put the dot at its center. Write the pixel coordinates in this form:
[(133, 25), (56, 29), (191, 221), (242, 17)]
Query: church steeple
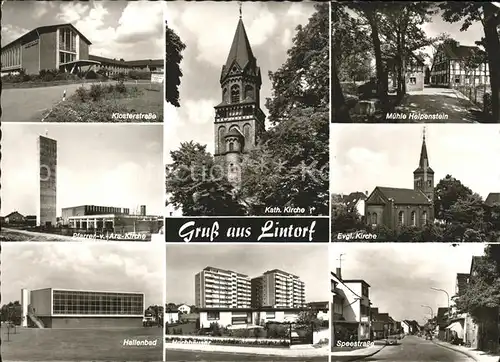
[(239, 121), (423, 176)]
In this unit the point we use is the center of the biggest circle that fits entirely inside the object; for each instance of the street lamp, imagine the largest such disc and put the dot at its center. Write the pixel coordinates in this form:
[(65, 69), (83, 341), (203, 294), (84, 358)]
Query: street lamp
[(447, 295), (432, 312)]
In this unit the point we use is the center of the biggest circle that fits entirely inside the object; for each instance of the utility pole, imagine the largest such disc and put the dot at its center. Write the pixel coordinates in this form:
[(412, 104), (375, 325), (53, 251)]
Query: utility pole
[(340, 260)]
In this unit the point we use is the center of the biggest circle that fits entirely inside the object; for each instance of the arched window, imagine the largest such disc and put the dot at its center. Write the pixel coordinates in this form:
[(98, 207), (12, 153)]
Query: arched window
[(424, 218), (374, 218), (413, 218), (401, 218), (249, 92), (235, 94), (429, 183), (231, 146), (224, 95)]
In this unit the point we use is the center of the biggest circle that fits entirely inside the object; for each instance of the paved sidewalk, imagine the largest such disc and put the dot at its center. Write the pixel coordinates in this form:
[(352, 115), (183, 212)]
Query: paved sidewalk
[(455, 105), (284, 352), (356, 354), (478, 356)]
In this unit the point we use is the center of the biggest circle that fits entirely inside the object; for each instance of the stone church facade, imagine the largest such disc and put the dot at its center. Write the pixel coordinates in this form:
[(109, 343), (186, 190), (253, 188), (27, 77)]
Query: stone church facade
[(398, 207), (239, 120)]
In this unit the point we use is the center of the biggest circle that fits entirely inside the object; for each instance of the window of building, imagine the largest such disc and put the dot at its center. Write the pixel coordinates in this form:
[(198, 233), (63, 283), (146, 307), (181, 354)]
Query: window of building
[(249, 92), (413, 218), (429, 183), (424, 218), (413, 80), (374, 220), (213, 316), (364, 290), (235, 94), (270, 315), (231, 146), (67, 40), (97, 303), (401, 218), (238, 320), (224, 95)]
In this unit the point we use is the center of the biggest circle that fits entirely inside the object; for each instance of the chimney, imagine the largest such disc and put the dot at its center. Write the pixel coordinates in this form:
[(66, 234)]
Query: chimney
[(366, 193), (143, 210), (338, 271)]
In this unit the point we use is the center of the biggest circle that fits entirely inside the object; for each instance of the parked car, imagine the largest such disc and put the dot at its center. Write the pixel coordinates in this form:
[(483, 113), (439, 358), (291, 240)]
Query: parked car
[(392, 340)]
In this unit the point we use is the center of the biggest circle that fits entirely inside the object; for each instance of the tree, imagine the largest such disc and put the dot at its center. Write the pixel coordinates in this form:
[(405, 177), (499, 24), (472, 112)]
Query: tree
[(173, 58), (481, 296), (488, 14), (196, 184), (448, 191), (290, 167), (345, 219), (303, 80)]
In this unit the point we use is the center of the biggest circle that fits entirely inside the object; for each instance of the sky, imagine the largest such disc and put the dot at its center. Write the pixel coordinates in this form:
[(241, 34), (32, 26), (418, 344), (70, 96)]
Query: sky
[(118, 165), (401, 275), (270, 27), (365, 156), (117, 29), (308, 261), (123, 267)]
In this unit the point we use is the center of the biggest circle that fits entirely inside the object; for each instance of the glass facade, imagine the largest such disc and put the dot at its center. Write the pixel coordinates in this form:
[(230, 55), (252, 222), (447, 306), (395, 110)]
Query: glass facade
[(67, 40), (97, 303), (11, 57)]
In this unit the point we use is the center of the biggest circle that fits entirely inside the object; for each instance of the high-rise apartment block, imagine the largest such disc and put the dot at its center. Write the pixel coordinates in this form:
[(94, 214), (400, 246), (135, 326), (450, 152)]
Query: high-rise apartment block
[(276, 288), (219, 288)]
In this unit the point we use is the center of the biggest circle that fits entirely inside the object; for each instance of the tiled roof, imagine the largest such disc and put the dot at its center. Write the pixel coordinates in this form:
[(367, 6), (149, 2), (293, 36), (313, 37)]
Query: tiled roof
[(493, 197), (459, 52), (404, 196)]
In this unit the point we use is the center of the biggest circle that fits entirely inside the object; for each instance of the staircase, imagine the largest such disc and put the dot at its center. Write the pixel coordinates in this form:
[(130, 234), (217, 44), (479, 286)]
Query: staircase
[(35, 319)]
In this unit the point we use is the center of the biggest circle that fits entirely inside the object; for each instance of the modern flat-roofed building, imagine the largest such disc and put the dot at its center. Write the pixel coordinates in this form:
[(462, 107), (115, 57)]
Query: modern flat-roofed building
[(219, 288), (63, 47), (276, 288), (46, 47), (110, 219), (66, 308), (238, 317)]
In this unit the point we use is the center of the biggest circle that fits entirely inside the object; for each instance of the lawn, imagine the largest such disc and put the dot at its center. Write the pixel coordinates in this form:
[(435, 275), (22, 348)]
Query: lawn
[(32, 344), (182, 329), (141, 98)]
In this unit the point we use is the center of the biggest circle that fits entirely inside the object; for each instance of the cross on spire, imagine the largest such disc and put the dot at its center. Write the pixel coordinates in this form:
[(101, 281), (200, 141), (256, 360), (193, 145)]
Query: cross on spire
[(424, 134), (240, 4)]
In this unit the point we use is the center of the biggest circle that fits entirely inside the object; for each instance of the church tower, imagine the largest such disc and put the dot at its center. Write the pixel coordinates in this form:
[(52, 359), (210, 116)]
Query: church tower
[(239, 121), (423, 176)]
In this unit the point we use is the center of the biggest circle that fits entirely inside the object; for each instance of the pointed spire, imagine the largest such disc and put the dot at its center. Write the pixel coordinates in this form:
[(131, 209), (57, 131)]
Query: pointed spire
[(240, 51), (424, 159)]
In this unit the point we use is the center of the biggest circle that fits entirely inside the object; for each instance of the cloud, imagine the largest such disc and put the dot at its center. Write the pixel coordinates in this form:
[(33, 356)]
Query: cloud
[(200, 111)]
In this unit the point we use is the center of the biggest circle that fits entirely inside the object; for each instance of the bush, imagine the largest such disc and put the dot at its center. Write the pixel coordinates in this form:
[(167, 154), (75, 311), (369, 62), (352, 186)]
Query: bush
[(96, 92), (81, 94), (91, 75), (48, 77), (229, 341), (120, 87), (134, 74), (109, 88)]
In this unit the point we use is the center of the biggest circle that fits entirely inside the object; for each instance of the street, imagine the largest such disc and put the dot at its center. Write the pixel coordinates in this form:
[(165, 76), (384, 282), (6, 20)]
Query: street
[(413, 348), (442, 100), (188, 356), (31, 104)]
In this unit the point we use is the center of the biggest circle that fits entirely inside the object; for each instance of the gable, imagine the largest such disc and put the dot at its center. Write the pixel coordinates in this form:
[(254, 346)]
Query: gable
[(376, 198)]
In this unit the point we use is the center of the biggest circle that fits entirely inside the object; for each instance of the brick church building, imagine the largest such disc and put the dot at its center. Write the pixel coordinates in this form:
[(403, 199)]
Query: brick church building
[(396, 207), (239, 120)]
